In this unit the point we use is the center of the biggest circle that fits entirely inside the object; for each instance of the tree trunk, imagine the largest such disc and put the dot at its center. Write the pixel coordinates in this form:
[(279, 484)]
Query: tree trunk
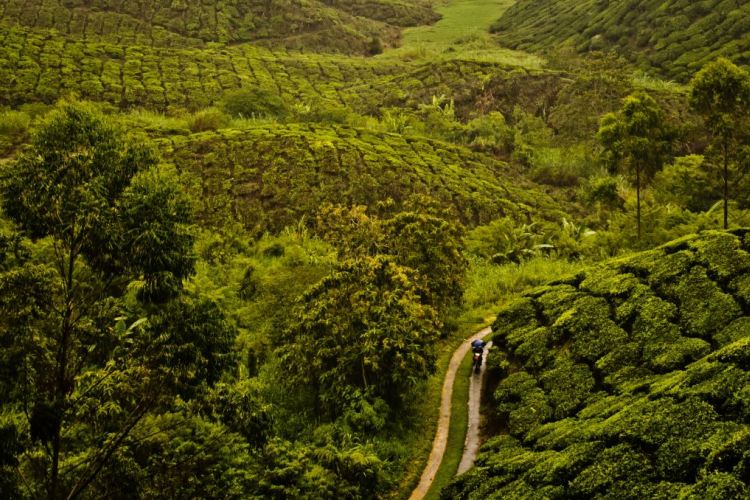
[(638, 198), (726, 185), (61, 391)]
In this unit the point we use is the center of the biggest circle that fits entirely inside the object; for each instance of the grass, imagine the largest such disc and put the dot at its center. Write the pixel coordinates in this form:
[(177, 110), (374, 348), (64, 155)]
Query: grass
[(490, 285), (463, 33), (457, 431), (648, 82)]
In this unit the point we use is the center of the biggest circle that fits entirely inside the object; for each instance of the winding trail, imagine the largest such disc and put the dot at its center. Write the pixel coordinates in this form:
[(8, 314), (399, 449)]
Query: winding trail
[(441, 435), (471, 446)]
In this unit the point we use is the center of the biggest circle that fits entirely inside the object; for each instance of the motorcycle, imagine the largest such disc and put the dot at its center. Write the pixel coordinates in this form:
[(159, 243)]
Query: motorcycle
[(477, 362)]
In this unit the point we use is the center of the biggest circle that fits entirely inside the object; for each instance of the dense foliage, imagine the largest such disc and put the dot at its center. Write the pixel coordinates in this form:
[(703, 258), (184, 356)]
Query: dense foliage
[(625, 380), (238, 268), (89, 356), (262, 176)]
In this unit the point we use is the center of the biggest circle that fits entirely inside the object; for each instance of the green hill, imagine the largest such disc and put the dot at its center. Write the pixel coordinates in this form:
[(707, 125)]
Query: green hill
[(269, 177), (674, 37), (347, 27), (34, 67), (629, 380)]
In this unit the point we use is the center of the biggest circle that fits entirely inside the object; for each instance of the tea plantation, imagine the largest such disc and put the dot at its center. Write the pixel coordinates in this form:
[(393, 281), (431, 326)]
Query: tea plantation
[(628, 380), (333, 25), (672, 37), (35, 67), (269, 177), (240, 241)]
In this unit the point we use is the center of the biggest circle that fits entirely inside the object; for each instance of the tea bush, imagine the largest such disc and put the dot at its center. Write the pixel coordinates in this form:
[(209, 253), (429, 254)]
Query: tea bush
[(625, 380)]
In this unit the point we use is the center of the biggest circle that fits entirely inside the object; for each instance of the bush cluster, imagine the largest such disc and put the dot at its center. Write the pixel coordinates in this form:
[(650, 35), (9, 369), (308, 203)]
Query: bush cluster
[(675, 38), (626, 381)]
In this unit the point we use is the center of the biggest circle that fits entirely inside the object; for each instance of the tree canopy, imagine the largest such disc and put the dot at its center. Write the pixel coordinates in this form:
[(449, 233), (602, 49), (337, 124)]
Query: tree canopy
[(639, 138), (98, 338)]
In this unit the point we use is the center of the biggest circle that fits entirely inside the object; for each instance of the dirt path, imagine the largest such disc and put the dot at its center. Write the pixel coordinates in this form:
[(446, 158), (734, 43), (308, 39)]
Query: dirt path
[(471, 446), (441, 436)]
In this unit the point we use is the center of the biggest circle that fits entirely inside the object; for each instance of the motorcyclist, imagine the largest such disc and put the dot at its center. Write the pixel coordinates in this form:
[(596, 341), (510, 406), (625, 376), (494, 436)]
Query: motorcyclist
[(477, 347)]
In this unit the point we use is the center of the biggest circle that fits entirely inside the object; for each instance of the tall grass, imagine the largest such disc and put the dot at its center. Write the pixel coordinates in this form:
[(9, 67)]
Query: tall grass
[(648, 82), (14, 123), (490, 284)]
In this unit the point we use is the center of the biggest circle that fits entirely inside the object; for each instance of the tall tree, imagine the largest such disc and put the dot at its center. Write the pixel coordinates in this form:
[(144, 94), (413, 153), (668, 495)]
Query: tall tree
[(93, 317), (362, 332), (639, 138), (423, 237), (720, 92)]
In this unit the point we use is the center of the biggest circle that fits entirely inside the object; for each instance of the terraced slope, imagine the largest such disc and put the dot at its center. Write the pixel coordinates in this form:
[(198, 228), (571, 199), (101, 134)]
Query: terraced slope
[(630, 380), (35, 67), (330, 25), (270, 177), (673, 37)]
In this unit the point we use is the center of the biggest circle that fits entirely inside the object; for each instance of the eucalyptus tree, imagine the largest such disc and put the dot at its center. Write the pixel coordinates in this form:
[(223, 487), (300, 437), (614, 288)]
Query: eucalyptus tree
[(720, 93), (93, 322), (639, 138)]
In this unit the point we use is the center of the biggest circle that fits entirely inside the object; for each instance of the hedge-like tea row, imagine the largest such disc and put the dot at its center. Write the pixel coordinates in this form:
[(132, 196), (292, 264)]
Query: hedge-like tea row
[(675, 37), (328, 25), (630, 380), (38, 67)]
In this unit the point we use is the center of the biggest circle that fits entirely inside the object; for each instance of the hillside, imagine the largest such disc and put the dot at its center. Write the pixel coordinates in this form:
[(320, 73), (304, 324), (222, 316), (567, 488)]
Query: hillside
[(270, 177), (347, 27), (242, 240), (672, 37), (34, 68), (628, 380)]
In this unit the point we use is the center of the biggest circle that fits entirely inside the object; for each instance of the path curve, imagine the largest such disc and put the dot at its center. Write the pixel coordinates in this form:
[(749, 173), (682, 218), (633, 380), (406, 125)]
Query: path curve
[(471, 445), (441, 435)]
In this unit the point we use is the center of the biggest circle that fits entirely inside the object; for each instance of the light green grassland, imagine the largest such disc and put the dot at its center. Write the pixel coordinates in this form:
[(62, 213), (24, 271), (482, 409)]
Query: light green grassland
[(490, 285), (462, 33)]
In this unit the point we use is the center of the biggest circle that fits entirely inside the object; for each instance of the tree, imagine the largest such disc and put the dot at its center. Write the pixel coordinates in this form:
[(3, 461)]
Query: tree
[(638, 137), (720, 93), (362, 332), (93, 315), (422, 237)]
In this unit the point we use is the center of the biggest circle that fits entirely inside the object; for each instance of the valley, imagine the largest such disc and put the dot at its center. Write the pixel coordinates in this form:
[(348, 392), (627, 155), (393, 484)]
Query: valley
[(243, 243)]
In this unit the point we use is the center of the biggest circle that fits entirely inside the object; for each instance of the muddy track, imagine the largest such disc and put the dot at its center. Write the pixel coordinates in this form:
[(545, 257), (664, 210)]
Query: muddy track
[(441, 435), (471, 445)]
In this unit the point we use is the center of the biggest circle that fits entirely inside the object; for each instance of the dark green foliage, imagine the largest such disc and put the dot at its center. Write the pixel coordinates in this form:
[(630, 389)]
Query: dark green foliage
[(633, 387), (102, 343), (362, 332), (720, 93), (639, 139), (104, 199)]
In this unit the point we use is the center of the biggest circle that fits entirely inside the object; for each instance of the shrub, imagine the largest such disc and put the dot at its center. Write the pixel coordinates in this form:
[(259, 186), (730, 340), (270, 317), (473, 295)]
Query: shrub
[(254, 102), (14, 124), (207, 120)]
